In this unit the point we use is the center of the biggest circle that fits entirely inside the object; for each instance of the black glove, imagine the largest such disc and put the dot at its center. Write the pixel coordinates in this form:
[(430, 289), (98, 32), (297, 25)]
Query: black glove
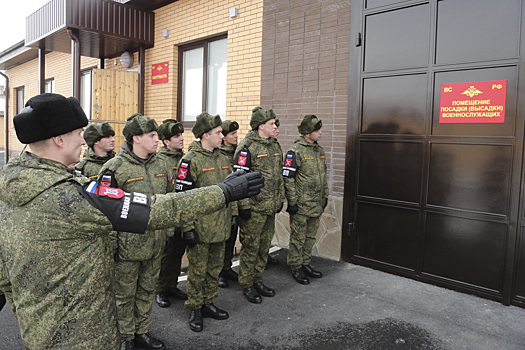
[(325, 202), (115, 255), (239, 185), (235, 224), (245, 213), (280, 208), (292, 209), (2, 301), (190, 238)]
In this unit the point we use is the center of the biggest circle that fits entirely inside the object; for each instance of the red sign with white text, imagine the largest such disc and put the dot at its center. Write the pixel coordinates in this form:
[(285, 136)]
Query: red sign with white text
[(474, 102), (160, 73)]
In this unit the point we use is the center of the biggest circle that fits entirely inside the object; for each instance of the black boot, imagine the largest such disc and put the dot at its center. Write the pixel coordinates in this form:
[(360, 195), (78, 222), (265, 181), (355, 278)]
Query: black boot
[(127, 345), (230, 275), (264, 290), (222, 282), (310, 272), (146, 341), (177, 294), (210, 310), (251, 294), (300, 277), (162, 299), (196, 320), (272, 261)]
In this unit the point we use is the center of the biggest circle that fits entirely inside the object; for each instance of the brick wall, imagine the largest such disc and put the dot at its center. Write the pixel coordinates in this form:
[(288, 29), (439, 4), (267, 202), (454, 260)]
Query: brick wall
[(190, 20), (305, 63)]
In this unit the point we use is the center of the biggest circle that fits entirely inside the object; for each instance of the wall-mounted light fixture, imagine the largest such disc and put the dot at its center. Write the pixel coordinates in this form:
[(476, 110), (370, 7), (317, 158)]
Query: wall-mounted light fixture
[(233, 12), (165, 33)]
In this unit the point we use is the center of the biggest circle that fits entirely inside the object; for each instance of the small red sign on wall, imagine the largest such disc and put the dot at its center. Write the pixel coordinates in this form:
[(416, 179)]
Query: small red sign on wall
[(160, 73), (474, 102)]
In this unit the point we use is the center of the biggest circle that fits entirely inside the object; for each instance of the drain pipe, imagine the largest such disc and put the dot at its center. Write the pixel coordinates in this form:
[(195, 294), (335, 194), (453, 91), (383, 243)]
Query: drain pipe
[(75, 62), (6, 117)]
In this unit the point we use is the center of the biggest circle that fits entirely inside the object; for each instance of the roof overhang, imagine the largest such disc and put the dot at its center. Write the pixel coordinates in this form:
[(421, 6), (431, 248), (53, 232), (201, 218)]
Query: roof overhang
[(105, 28), (16, 55)]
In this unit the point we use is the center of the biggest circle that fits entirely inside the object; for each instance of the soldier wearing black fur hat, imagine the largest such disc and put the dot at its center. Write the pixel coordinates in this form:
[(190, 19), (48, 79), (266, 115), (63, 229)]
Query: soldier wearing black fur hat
[(54, 236), (306, 187), (171, 134), (101, 143)]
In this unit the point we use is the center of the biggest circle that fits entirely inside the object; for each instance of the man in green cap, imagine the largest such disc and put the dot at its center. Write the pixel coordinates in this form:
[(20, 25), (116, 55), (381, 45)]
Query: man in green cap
[(205, 165), (171, 134), (306, 187), (229, 143), (259, 152), (137, 257), (54, 238), (101, 143)]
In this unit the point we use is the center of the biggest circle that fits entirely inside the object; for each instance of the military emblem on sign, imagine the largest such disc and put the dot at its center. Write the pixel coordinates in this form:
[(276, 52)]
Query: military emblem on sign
[(242, 158), (183, 171), (471, 92)]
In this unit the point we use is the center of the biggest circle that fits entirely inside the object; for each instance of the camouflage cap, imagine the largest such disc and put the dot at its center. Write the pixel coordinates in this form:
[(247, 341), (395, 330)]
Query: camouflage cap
[(309, 124), (260, 116), (48, 115), (138, 124), (94, 132), (204, 123), (229, 126), (170, 128)]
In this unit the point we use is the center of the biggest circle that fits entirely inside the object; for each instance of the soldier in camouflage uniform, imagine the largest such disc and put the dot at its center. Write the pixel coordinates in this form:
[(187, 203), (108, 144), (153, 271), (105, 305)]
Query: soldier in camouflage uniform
[(229, 143), (306, 187), (170, 133), (55, 224), (101, 143), (137, 257), (202, 166), (259, 152)]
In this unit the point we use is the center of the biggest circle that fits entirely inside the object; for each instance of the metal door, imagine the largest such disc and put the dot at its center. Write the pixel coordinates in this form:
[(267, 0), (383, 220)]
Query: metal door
[(437, 202)]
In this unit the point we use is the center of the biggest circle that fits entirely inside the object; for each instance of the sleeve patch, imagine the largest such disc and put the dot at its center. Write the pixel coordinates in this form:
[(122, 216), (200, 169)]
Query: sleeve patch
[(184, 180), (127, 212), (290, 165), (243, 161)]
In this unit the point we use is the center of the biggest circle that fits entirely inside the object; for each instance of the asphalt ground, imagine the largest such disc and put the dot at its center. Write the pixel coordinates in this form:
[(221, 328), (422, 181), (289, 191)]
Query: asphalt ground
[(351, 307)]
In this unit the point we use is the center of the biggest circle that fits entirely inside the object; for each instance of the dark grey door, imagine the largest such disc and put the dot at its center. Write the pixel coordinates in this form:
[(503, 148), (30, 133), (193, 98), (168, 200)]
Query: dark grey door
[(438, 202)]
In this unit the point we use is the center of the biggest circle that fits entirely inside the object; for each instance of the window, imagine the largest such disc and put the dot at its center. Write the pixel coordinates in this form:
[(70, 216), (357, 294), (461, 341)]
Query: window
[(86, 96), (20, 102), (202, 78), (50, 85)]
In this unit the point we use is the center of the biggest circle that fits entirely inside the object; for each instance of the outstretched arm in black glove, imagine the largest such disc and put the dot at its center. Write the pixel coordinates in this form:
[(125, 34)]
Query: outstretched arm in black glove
[(239, 185)]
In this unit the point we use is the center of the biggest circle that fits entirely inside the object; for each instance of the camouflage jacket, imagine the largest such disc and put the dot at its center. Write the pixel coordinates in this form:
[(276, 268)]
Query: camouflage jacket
[(133, 174), (228, 151), (56, 255), (200, 168), (304, 173), (265, 155), (171, 161), (91, 164)]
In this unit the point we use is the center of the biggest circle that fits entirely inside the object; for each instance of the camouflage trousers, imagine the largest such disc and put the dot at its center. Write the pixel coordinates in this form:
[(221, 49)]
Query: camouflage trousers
[(256, 236), (302, 239), (205, 264), (170, 263), (135, 283), (5, 289)]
